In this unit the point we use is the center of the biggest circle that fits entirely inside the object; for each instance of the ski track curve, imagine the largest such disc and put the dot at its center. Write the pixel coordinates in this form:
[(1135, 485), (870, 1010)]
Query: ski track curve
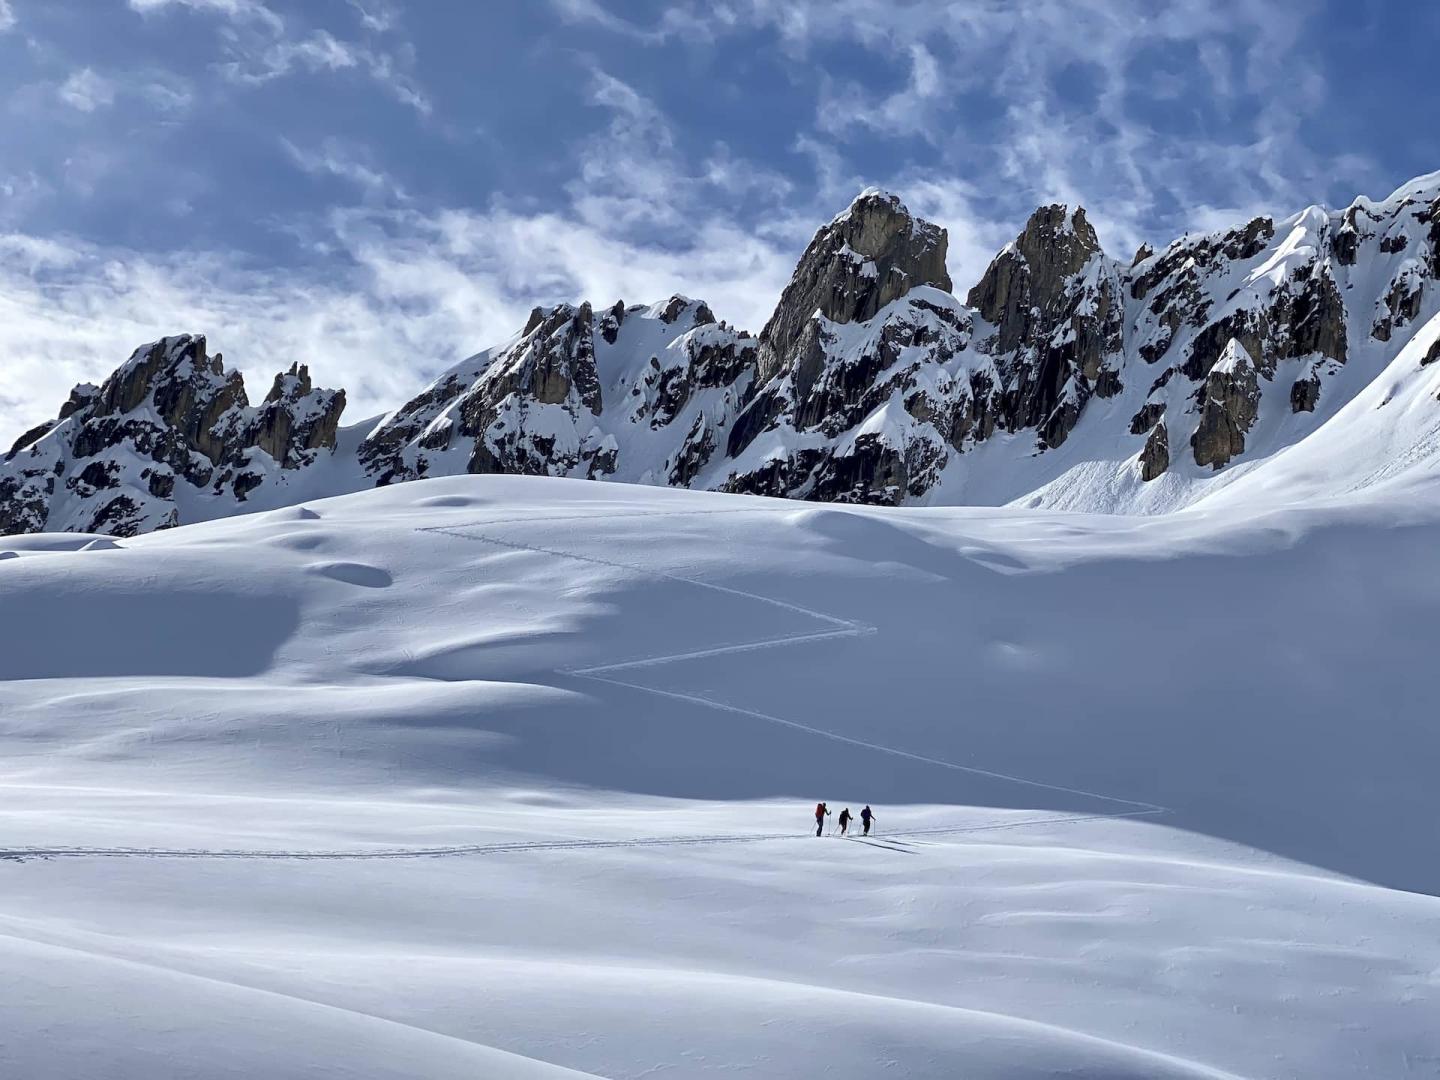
[(835, 628)]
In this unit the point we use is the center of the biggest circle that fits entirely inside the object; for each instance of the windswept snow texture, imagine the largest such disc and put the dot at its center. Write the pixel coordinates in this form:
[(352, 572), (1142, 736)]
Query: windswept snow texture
[(512, 777)]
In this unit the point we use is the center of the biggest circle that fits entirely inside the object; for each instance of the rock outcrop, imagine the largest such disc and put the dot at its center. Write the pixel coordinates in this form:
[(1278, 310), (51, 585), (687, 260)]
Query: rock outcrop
[(871, 254), (1229, 403), (1155, 457), (1054, 302)]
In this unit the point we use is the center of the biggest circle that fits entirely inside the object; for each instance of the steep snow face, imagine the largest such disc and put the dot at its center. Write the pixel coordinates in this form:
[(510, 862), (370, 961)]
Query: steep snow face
[(171, 426), (637, 393), (401, 783)]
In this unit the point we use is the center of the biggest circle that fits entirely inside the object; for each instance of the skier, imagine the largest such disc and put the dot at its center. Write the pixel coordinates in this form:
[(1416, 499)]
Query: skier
[(821, 813), (866, 816), (844, 820)]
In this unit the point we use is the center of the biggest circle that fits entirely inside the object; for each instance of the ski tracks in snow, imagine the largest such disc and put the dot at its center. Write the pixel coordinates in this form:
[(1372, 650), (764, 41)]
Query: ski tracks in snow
[(835, 627), (832, 627), (21, 854)]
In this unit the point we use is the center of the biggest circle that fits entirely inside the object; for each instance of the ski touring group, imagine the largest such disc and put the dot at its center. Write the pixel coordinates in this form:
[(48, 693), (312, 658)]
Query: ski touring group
[(867, 817)]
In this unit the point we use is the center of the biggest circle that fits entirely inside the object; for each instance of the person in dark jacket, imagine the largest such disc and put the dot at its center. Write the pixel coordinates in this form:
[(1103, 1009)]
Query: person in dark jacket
[(821, 813), (866, 816), (844, 820)]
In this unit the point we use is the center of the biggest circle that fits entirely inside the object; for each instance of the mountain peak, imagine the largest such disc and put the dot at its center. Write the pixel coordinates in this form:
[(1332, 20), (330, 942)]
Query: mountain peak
[(1055, 236), (873, 253)]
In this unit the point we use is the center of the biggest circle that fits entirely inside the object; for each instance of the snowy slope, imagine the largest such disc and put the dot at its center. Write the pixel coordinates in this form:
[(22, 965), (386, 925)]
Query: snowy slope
[(1388, 434), (402, 782)]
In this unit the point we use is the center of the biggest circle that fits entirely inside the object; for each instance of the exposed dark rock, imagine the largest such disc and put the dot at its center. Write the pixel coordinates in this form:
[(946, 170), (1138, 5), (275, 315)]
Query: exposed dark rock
[(872, 472), (1345, 242), (161, 482), (1229, 401), (610, 324), (1305, 393), (1032, 274), (1431, 216), (1155, 457), (245, 483), (863, 387), (34, 435), (1149, 414), (1058, 333), (694, 454), (1401, 303), (96, 476), (1314, 317), (294, 421), (678, 305), (758, 416), (80, 397), (873, 253)]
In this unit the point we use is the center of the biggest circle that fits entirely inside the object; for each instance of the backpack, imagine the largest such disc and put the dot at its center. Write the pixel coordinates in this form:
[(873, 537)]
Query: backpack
[(820, 809)]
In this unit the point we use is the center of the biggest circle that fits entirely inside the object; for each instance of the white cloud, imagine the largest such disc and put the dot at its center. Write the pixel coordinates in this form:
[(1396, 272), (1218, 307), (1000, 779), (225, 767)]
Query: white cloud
[(376, 15), (673, 23), (332, 158), (254, 62), (168, 93), (7, 16), (87, 91), (260, 48), (244, 11), (994, 69), (916, 109), (633, 182), (318, 51)]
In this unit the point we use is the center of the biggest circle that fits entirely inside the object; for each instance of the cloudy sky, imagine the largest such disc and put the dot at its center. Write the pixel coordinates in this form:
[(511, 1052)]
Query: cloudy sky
[(381, 187)]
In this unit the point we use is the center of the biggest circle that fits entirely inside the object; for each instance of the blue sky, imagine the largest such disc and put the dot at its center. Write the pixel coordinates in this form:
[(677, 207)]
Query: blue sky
[(381, 187)]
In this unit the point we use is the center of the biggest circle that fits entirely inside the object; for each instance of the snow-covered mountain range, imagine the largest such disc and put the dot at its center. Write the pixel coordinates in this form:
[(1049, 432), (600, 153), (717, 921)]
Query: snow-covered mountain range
[(1066, 378)]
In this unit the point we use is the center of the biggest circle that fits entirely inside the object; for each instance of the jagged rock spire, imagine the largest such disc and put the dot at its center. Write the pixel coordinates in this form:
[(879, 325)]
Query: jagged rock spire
[(874, 252), (1030, 275)]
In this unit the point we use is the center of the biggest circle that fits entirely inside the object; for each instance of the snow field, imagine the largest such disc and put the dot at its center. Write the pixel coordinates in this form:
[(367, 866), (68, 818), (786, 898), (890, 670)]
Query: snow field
[(484, 691)]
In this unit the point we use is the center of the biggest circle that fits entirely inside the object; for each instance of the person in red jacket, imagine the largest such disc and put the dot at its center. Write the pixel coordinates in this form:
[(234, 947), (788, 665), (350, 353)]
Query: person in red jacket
[(821, 813)]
